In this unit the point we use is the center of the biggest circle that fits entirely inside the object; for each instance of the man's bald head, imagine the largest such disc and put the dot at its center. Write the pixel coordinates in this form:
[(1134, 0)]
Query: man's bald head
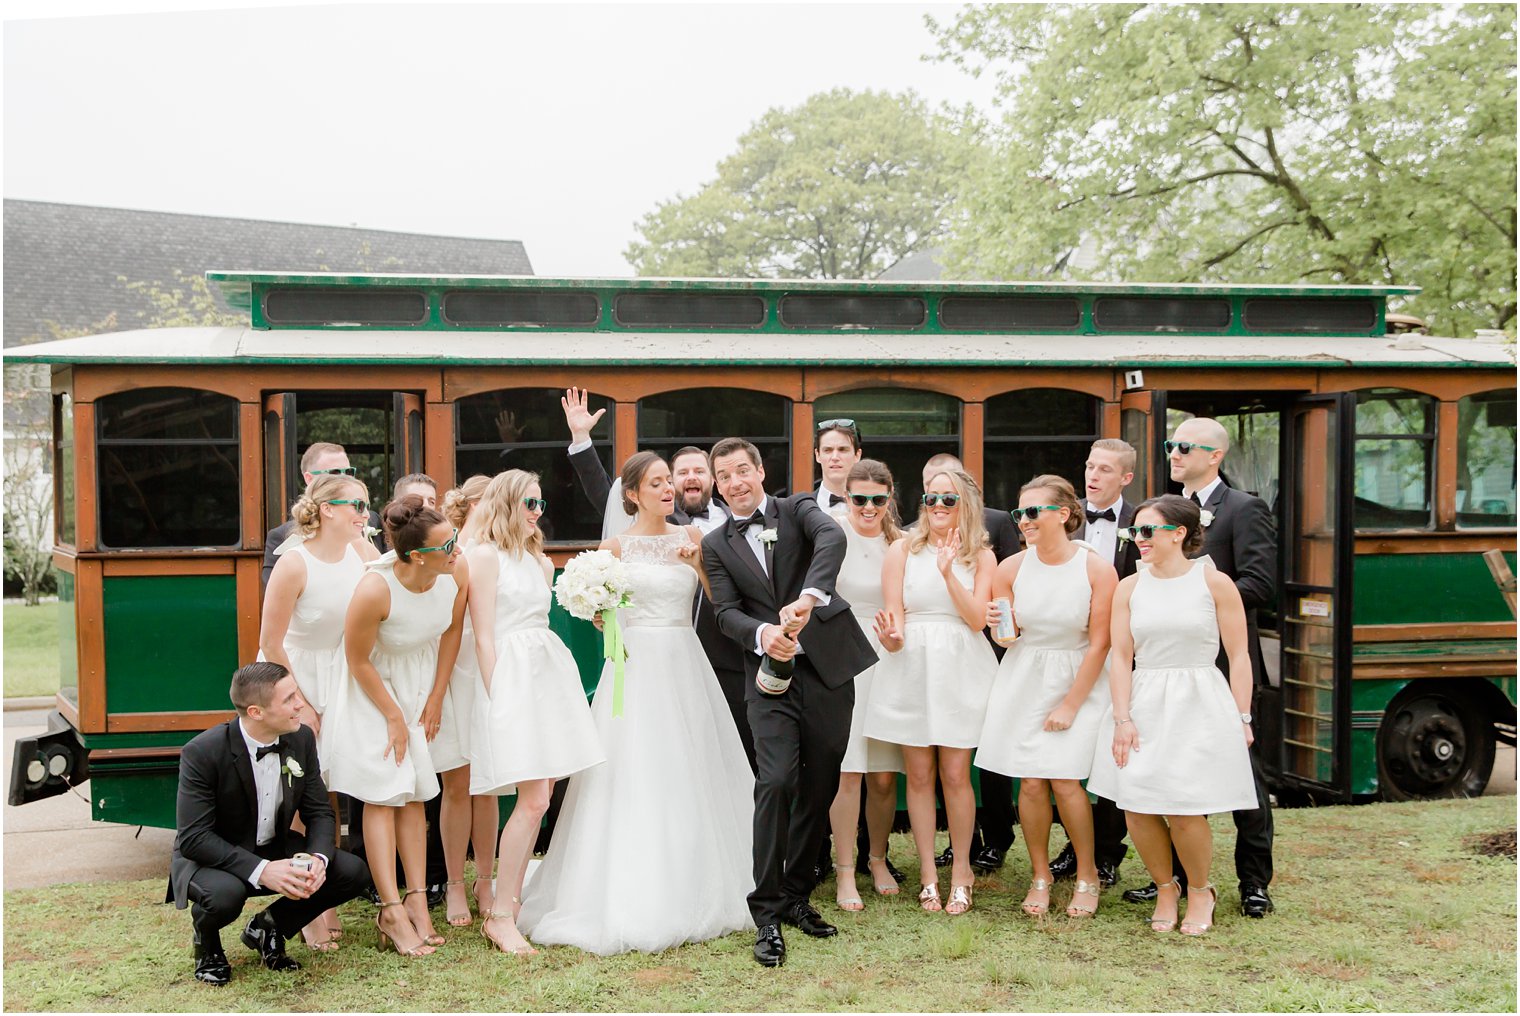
[(1206, 441)]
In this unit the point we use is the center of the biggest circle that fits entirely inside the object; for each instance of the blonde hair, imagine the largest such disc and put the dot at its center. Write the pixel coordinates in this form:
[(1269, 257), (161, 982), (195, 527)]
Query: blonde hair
[(973, 526), (1125, 450), (873, 471), (456, 503), (1062, 495), (501, 510), (307, 511)]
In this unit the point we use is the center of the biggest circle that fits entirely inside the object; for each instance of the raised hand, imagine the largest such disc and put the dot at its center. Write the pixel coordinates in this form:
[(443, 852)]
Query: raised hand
[(888, 632), (945, 551), (507, 428), (578, 417)]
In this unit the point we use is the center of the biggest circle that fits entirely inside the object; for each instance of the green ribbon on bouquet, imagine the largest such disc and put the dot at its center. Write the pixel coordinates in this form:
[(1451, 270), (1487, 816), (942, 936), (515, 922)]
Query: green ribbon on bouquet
[(614, 649)]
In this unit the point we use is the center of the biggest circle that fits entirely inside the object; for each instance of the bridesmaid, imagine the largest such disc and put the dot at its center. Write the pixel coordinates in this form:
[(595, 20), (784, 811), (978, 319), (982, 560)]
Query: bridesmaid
[(400, 636), (929, 694), (532, 724), (308, 594), (463, 819), (1048, 700), (1171, 700), (869, 529)]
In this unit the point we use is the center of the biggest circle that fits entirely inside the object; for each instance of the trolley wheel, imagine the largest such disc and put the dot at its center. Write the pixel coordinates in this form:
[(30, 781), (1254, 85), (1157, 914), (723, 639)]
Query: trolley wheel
[(1434, 742)]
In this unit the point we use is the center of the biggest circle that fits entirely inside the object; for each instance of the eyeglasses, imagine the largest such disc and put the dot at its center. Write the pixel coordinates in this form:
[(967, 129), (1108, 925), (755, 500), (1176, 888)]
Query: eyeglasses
[(1142, 532), (839, 423), (361, 506), (861, 500), (948, 500), (1184, 447), (1032, 512), (535, 504), (447, 548), (343, 470)]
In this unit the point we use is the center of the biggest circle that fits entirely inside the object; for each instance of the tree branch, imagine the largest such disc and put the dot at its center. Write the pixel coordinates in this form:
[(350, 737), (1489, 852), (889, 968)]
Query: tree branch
[(1225, 255)]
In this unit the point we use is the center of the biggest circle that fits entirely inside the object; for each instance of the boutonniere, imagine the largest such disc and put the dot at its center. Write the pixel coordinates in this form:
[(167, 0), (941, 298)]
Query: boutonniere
[(1205, 517), (370, 532), (292, 770), (768, 536)]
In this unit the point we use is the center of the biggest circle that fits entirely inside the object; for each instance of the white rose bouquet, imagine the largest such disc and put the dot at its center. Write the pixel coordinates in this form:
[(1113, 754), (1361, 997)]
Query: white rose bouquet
[(595, 583)]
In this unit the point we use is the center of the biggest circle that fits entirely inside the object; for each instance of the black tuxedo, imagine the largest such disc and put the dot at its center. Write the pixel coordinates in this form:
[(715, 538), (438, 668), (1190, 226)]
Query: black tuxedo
[(281, 532), (801, 734), (995, 816), (216, 816), (723, 653)]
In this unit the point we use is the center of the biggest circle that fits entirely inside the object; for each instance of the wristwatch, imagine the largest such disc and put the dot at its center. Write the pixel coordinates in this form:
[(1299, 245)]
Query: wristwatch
[(1245, 718)]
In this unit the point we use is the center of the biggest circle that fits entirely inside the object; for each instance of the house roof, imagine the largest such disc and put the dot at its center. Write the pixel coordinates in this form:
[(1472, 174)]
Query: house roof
[(70, 264)]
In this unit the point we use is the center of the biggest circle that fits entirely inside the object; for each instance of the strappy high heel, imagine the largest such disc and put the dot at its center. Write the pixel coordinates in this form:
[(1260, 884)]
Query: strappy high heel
[(960, 896), (387, 941), (434, 938), (490, 915), (928, 897), (1161, 926), (891, 888), (1039, 885), (850, 904), (454, 917), (1197, 927), (1084, 888)]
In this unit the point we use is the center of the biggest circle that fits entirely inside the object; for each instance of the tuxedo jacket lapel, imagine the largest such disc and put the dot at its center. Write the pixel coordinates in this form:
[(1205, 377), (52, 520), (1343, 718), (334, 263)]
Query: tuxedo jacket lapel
[(773, 521), (740, 547), (237, 748)]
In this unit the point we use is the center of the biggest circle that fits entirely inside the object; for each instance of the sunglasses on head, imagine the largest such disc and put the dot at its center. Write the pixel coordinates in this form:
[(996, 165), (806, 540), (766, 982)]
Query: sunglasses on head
[(535, 504), (1032, 512), (948, 500), (447, 548), (1184, 447), (361, 506), (839, 423), (861, 500), (1142, 532), (343, 470)]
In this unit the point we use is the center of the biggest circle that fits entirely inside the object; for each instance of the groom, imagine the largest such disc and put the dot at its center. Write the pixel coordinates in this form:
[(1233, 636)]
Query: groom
[(772, 570)]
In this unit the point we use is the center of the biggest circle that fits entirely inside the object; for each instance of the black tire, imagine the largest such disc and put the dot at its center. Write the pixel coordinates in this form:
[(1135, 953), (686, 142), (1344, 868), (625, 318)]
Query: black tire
[(1435, 741)]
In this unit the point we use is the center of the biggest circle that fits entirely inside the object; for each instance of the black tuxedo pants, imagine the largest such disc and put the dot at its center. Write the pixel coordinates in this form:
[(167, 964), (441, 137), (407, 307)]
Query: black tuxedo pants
[(217, 896), (800, 739)]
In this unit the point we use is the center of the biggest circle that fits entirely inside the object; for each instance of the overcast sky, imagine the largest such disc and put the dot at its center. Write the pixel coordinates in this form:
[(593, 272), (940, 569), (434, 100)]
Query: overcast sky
[(556, 125)]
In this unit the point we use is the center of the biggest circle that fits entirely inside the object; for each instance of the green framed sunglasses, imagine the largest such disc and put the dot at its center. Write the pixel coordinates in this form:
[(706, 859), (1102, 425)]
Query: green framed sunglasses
[(1032, 512), (1185, 447), (536, 504), (361, 506), (1142, 532), (948, 500), (447, 548), (341, 470)]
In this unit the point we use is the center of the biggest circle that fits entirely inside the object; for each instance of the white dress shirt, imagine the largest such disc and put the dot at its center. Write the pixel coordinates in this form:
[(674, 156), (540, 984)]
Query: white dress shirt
[(840, 505), (266, 784), (1103, 534), (1205, 492), (717, 517), (752, 537)]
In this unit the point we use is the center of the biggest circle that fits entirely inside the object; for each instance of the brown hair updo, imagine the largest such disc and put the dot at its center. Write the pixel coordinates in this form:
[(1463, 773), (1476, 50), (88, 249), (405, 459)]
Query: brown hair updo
[(1063, 495), (456, 503), (306, 513), (407, 521), (1179, 511), (874, 471), (633, 476)]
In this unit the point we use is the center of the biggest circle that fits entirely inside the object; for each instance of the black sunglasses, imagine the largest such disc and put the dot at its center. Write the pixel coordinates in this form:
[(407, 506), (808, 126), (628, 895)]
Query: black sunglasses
[(948, 500), (343, 470), (361, 506), (861, 500), (1032, 512), (1184, 447)]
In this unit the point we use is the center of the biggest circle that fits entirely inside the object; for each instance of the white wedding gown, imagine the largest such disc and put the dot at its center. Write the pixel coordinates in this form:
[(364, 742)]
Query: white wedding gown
[(653, 848)]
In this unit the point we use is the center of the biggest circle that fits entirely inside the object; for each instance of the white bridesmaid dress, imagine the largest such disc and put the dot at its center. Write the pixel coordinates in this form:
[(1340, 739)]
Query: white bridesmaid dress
[(314, 639), (859, 583), (450, 747)]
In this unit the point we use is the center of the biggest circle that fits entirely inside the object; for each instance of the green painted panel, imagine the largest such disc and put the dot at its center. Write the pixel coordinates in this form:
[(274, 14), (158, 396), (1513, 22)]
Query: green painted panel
[(171, 642), (1426, 589), (1364, 773), (68, 632), (584, 640), (142, 797)]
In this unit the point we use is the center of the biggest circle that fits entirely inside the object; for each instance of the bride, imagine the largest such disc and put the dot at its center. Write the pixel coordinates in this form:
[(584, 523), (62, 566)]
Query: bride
[(652, 849)]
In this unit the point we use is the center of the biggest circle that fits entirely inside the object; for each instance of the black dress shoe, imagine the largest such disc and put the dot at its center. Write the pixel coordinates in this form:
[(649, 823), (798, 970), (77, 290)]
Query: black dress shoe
[(1254, 901), (211, 966), (1065, 865), (988, 859), (821, 872), (436, 894), (1108, 875), (946, 859), (264, 938), (804, 918), (371, 895), (1147, 893), (770, 947)]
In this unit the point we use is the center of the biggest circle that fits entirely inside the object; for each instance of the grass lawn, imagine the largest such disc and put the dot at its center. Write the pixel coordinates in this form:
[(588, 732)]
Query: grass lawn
[(31, 649), (1380, 907)]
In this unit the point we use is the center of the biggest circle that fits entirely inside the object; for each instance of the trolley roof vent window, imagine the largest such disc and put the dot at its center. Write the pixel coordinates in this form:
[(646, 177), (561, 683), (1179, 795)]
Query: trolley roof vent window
[(689, 310), (1160, 314), (533, 308), (1009, 313), (850, 310), (1286, 315), (335, 306)]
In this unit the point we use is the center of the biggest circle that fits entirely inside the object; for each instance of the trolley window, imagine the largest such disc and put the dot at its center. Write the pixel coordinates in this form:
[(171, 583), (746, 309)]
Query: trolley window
[(523, 428), (845, 310), (63, 467), (703, 417), (168, 469), (1395, 442), (1486, 459), (1035, 431), (901, 427)]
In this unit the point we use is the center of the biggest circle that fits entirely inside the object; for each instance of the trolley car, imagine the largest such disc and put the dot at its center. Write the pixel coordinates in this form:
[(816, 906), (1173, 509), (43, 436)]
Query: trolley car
[(1388, 460)]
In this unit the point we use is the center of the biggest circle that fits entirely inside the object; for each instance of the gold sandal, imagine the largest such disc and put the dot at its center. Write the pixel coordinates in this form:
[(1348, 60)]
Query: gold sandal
[(454, 918), (1161, 926), (1093, 889), (960, 896), (890, 889), (386, 940), (849, 904), (491, 915), (1199, 928), (434, 938), (1039, 885), (928, 897)]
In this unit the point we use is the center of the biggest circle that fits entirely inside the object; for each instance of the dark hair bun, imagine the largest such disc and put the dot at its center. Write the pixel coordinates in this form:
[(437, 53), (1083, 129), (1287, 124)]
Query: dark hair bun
[(407, 521), (1179, 511)]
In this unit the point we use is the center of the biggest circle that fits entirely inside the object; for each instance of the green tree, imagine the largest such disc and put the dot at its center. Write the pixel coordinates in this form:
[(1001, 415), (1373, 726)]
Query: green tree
[(843, 186), (1336, 143)]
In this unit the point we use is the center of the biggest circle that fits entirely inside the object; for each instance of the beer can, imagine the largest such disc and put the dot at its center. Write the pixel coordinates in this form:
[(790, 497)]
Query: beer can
[(1006, 632), (302, 862)]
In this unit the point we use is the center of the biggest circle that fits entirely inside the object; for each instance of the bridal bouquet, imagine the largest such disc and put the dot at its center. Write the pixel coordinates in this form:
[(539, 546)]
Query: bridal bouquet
[(595, 583)]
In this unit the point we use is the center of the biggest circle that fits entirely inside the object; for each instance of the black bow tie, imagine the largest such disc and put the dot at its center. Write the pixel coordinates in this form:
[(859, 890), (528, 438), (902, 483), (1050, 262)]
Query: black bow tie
[(1106, 515), (830, 499), (1193, 497), (757, 519), (698, 515), (259, 753)]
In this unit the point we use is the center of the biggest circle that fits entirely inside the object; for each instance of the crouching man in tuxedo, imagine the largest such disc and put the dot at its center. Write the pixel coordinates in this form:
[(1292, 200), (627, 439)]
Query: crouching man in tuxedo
[(240, 784)]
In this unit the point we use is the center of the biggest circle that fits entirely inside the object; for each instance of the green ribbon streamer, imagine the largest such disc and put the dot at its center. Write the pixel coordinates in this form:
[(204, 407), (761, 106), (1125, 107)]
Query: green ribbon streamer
[(613, 649)]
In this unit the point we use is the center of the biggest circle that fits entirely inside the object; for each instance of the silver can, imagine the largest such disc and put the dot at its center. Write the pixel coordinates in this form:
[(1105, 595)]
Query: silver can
[(302, 862), (1006, 632)]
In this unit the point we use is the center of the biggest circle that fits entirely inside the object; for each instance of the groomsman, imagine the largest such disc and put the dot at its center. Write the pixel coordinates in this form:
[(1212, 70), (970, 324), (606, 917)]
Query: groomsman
[(321, 458), (836, 449), (993, 836), (1241, 536), (691, 474), (1110, 468), (240, 785)]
